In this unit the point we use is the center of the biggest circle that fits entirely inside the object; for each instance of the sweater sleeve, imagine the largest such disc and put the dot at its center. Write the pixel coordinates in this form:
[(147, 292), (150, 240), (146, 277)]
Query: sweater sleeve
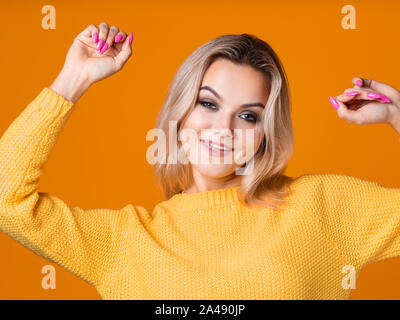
[(362, 217), (89, 243)]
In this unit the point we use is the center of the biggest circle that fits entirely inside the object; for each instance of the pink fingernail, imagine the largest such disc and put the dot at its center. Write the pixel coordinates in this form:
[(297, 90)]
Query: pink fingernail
[(359, 83), (373, 95), (104, 48), (95, 37), (100, 44), (334, 103), (117, 38), (385, 99), (352, 93), (130, 38)]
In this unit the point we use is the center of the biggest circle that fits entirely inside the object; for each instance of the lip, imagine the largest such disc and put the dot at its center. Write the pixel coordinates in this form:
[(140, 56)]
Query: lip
[(218, 144), (214, 151)]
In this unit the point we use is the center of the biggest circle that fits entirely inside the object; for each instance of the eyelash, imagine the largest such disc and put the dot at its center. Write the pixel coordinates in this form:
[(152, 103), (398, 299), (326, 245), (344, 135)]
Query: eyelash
[(202, 101)]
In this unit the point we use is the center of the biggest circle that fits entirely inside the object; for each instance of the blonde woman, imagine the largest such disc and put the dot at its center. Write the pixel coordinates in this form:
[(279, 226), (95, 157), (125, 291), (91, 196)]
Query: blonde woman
[(218, 234)]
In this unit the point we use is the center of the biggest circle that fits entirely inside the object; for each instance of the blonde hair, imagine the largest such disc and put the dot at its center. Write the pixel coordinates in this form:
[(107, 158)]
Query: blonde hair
[(267, 179)]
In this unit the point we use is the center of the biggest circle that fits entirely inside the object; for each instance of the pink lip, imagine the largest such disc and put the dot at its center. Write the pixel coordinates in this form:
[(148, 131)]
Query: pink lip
[(213, 151)]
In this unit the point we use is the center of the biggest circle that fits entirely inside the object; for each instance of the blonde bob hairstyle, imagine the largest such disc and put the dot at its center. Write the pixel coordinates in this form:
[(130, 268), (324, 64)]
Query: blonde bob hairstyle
[(265, 185)]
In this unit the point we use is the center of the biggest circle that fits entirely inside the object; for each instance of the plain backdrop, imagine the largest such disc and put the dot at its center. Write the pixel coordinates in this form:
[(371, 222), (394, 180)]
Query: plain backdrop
[(99, 160)]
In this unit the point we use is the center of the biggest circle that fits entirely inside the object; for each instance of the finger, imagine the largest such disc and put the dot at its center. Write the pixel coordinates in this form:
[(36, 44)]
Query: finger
[(124, 54), (358, 82), (351, 89), (367, 94), (103, 33), (351, 98), (380, 87), (112, 32), (119, 40), (120, 37), (91, 31), (362, 94), (349, 94), (352, 116)]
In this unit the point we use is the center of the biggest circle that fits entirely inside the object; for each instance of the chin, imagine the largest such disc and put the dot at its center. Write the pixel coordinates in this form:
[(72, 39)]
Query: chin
[(215, 170)]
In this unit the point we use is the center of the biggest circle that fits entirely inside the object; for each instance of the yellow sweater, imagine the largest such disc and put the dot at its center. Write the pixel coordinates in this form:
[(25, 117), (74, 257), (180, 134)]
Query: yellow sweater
[(204, 245)]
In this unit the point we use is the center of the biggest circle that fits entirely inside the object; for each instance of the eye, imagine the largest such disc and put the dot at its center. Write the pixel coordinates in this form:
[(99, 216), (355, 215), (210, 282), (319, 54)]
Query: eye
[(207, 104), (251, 119)]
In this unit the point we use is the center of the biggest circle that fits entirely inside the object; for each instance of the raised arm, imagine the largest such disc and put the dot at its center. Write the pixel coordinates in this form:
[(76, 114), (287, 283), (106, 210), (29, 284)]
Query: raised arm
[(364, 216), (89, 242)]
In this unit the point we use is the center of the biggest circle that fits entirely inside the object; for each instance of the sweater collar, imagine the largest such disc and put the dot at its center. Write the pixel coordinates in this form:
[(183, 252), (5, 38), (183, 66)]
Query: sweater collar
[(205, 199)]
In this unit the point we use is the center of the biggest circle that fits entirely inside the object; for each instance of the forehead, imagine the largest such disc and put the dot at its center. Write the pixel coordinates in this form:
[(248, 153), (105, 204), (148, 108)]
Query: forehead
[(236, 81)]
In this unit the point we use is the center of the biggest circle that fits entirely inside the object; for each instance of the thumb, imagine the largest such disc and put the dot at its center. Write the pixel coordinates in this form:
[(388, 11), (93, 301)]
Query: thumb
[(125, 53)]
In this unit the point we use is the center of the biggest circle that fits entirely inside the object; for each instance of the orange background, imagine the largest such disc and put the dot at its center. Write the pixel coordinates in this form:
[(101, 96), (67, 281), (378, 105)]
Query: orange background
[(100, 157)]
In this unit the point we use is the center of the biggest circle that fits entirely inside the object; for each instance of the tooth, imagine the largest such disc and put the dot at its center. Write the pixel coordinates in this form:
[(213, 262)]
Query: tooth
[(218, 147)]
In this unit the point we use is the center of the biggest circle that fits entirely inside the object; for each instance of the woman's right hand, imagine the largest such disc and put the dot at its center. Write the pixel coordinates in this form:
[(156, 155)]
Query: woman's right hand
[(85, 65), (84, 59)]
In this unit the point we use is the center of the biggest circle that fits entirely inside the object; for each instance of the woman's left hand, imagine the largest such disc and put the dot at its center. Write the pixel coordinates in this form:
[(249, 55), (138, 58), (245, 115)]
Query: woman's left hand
[(369, 101)]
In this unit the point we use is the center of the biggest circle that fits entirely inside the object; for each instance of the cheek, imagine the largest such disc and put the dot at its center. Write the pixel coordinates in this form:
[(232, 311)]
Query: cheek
[(249, 139), (196, 120), (193, 126), (190, 130)]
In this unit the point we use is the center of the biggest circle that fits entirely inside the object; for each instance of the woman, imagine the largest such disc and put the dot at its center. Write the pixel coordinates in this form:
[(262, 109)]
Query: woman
[(219, 234)]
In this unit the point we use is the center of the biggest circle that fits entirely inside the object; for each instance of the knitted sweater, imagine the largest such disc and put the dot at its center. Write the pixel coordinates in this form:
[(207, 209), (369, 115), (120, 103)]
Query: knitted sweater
[(205, 245)]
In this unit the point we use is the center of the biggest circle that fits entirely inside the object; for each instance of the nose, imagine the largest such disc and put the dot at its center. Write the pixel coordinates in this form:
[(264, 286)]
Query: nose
[(222, 125)]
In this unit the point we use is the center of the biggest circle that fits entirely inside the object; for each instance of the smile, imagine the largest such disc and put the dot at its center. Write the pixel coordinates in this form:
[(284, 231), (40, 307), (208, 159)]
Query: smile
[(216, 149)]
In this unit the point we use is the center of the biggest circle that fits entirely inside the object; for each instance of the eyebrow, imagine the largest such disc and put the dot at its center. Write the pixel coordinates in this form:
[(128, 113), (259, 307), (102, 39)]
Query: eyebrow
[(254, 104)]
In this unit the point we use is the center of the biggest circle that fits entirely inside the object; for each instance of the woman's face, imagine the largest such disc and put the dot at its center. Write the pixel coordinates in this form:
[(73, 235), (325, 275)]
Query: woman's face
[(222, 114)]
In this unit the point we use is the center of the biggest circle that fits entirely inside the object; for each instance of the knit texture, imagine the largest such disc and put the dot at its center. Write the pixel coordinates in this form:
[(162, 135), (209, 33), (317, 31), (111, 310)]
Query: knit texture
[(205, 245)]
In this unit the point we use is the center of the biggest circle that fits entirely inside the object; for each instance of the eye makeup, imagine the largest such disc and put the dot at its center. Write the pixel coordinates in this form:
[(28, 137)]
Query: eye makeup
[(249, 116)]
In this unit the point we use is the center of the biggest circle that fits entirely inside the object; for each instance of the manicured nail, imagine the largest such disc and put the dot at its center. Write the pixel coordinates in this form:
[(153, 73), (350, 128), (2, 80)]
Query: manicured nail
[(373, 95), (334, 103), (130, 38), (385, 99), (359, 83), (100, 44), (117, 38), (352, 93), (105, 47), (95, 37)]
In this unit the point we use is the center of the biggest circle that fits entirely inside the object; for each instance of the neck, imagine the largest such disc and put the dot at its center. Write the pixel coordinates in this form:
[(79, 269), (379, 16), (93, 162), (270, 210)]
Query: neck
[(201, 184)]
